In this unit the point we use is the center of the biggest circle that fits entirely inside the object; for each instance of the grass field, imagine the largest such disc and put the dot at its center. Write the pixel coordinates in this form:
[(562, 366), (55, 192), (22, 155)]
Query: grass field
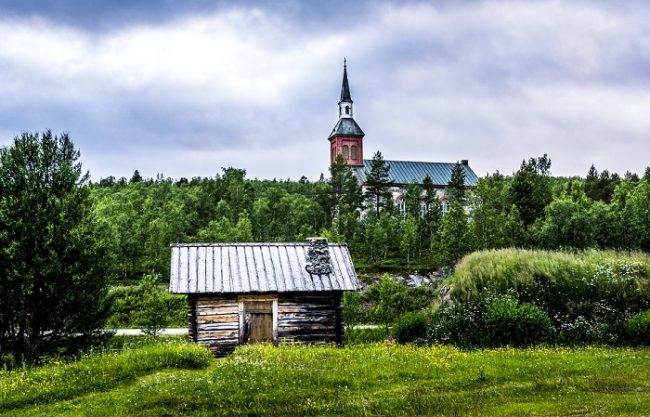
[(370, 380)]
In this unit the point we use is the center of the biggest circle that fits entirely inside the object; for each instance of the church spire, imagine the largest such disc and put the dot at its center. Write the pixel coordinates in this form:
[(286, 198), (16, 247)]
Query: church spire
[(345, 88), (345, 105)]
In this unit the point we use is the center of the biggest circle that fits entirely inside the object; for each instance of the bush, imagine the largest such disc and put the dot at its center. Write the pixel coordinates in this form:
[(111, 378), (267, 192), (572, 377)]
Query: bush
[(129, 304), (586, 295), (458, 324), (411, 328), (357, 336), (509, 323), (638, 328)]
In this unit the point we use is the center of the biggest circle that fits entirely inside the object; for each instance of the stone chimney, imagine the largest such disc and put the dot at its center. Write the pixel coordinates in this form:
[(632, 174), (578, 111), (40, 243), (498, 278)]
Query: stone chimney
[(318, 256)]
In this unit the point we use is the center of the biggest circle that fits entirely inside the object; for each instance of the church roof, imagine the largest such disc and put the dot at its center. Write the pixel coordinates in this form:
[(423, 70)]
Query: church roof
[(348, 127), (409, 172)]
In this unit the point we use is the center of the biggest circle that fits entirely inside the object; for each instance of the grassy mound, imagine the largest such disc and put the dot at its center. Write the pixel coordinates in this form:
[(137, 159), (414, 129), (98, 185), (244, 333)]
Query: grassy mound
[(574, 276), (587, 296)]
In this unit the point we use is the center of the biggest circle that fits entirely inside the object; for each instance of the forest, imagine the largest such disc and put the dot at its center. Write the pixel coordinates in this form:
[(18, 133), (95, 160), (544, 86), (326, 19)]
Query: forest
[(137, 218)]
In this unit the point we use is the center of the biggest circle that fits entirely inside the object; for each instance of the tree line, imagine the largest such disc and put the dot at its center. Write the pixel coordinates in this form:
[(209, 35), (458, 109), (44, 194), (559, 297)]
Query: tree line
[(139, 218)]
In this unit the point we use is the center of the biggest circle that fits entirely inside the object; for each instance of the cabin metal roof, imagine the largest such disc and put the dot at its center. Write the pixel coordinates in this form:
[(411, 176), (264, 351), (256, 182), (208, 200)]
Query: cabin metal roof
[(256, 268), (346, 126), (409, 172)]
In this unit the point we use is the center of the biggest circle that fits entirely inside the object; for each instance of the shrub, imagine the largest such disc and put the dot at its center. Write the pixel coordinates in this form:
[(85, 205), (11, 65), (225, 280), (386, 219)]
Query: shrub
[(458, 324), (362, 336), (411, 328), (130, 303), (638, 328), (586, 295), (509, 323)]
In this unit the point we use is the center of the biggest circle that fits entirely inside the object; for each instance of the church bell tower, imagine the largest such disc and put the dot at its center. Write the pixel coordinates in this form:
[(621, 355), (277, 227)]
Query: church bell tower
[(346, 138)]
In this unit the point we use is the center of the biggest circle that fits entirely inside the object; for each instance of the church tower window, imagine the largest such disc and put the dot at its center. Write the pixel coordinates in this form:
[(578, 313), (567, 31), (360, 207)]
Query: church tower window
[(345, 152), (354, 152)]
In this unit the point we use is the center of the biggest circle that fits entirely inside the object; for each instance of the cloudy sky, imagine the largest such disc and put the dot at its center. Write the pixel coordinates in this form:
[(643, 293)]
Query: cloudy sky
[(184, 88)]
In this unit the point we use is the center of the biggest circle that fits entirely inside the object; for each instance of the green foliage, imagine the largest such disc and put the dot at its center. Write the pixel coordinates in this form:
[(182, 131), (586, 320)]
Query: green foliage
[(507, 322), (146, 304), (454, 239), (411, 328), (153, 317), (352, 309), (456, 185), (459, 324), (98, 372), (638, 328), (530, 190), (587, 296), (392, 302), (377, 192), (364, 335), (385, 300), (409, 240), (345, 195), (53, 272)]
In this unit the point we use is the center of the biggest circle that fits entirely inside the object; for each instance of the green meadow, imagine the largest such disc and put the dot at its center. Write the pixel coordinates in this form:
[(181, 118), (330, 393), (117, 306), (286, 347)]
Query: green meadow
[(381, 379)]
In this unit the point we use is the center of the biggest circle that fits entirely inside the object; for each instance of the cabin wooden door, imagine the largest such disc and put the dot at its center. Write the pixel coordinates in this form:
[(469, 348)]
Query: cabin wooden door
[(259, 321)]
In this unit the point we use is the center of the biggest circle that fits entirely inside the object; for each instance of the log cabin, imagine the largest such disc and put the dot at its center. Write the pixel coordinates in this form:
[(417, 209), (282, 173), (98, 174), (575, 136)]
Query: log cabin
[(263, 292)]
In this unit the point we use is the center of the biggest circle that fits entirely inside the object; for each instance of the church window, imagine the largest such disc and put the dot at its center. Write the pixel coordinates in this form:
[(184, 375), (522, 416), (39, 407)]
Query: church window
[(445, 207), (347, 109), (346, 152), (354, 152)]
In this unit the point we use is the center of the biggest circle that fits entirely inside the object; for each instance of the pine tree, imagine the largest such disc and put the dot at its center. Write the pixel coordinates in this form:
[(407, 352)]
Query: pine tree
[(345, 191), (456, 185), (378, 182), (136, 177), (52, 274), (453, 240), (531, 191)]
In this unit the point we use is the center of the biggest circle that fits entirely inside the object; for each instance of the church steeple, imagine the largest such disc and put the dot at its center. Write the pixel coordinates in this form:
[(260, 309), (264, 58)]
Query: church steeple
[(345, 105), (346, 138)]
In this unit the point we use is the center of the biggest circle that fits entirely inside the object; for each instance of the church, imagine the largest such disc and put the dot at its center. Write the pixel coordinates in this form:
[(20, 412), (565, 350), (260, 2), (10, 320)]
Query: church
[(347, 137)]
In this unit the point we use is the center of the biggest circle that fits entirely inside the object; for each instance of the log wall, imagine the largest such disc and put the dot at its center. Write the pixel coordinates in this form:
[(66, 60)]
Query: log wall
[(214, 320), (217, 323), (310, 317)]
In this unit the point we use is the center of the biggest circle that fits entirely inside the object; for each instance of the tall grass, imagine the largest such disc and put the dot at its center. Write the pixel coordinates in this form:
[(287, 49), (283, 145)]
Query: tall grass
[(573, 275), (384, 380), (60, 380)]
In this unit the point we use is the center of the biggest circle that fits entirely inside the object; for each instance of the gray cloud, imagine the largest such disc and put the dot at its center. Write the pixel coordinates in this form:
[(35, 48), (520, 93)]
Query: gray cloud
[(256, 87)]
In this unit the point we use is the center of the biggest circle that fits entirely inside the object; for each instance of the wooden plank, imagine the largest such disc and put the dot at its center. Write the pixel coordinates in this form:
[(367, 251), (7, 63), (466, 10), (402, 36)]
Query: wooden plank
[(213, 311), (275, 319), (217, 326), (261, 327), (305, 329), (222, 318), (321, 318), (308, 338), (218, 334), (221, 341), (305, 308), (215, 301), (258, 307)]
